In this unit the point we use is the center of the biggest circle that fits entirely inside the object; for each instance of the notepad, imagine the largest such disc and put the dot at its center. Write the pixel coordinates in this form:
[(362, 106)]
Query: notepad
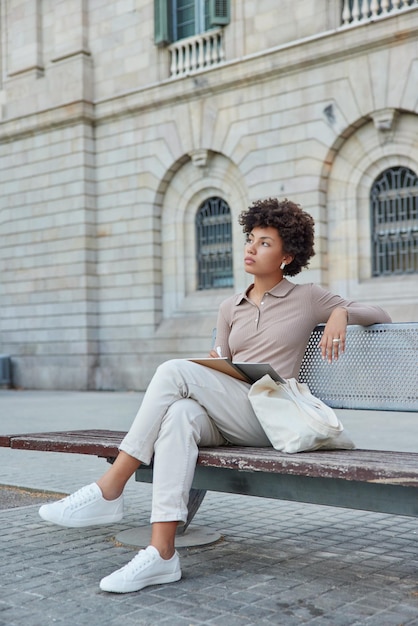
[(248, 372)]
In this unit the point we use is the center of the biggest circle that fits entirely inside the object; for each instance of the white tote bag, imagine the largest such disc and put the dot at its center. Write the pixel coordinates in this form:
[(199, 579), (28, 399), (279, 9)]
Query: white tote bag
[(293, 419)]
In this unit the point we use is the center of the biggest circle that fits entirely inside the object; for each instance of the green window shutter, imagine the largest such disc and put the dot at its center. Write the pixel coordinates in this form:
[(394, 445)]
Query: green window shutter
[(185, 19), (162, 22), (219, 12)]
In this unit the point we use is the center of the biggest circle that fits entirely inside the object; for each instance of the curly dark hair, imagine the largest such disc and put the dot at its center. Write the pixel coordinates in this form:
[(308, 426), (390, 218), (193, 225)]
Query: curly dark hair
[(295, 227)]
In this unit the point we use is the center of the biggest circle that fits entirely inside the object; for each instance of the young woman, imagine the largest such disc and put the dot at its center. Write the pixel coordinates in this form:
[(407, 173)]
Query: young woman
[(188, 405)]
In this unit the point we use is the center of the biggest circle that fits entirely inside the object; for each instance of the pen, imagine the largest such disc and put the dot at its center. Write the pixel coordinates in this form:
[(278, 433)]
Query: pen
[(219, 351)]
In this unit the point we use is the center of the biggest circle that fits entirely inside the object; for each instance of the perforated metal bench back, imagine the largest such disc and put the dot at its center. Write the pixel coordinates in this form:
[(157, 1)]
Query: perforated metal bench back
[(379, 369)]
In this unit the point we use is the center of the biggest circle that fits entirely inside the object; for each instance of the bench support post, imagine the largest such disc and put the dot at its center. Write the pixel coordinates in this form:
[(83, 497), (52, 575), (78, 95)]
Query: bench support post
[(195, 500)]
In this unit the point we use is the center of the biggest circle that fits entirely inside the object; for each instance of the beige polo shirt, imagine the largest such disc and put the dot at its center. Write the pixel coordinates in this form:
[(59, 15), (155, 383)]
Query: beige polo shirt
[(278, 331)]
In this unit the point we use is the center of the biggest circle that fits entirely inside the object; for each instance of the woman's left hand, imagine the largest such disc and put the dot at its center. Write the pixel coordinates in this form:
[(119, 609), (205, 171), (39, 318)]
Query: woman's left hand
[(332, 343)]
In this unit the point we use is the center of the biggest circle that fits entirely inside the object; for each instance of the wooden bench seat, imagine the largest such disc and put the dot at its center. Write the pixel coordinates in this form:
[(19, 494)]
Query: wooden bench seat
[(378, 371), (372, 480), (374, 466), (102, 443)]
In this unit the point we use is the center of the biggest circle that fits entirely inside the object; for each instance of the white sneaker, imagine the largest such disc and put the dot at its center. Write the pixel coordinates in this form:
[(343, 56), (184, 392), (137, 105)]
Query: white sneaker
[(146, 568), (85, 507)]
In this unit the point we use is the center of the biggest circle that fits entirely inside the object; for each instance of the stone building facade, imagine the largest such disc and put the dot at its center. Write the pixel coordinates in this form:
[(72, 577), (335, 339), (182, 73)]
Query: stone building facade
[(121, 120)]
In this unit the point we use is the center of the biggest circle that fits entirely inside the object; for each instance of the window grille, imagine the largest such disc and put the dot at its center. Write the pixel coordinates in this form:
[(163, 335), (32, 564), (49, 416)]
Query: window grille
[(394, 213), (214, 245)]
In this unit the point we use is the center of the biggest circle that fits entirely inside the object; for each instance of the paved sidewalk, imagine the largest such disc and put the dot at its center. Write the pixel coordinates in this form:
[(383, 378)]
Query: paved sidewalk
[(277, 563)]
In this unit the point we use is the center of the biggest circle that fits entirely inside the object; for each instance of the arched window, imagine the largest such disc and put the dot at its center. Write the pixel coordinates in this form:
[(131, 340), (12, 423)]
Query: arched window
[(394, 214), (214, 244)]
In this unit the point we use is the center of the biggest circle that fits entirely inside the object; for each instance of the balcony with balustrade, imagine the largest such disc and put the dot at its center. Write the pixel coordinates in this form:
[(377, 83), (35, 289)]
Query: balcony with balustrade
[(197, 53), (355, 12), (207, 50)]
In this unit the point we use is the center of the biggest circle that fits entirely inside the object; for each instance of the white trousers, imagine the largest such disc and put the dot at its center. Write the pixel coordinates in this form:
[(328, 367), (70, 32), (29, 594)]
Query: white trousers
[(185, 406)]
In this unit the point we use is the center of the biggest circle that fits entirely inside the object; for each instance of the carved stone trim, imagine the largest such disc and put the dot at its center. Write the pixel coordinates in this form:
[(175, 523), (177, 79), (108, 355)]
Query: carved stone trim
[(199, 157), (384, 122), (384, 119)]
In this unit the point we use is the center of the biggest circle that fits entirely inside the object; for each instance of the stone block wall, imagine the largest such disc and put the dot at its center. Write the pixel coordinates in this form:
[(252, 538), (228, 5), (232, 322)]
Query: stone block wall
[(48, 258), (104, 161)]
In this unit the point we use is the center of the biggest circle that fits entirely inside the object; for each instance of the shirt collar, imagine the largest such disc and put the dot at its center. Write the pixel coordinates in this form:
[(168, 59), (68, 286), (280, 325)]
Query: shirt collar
[(278, 291)]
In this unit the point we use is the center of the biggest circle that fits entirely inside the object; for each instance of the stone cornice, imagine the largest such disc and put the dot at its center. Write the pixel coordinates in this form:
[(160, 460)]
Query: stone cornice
[(66, 115)]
